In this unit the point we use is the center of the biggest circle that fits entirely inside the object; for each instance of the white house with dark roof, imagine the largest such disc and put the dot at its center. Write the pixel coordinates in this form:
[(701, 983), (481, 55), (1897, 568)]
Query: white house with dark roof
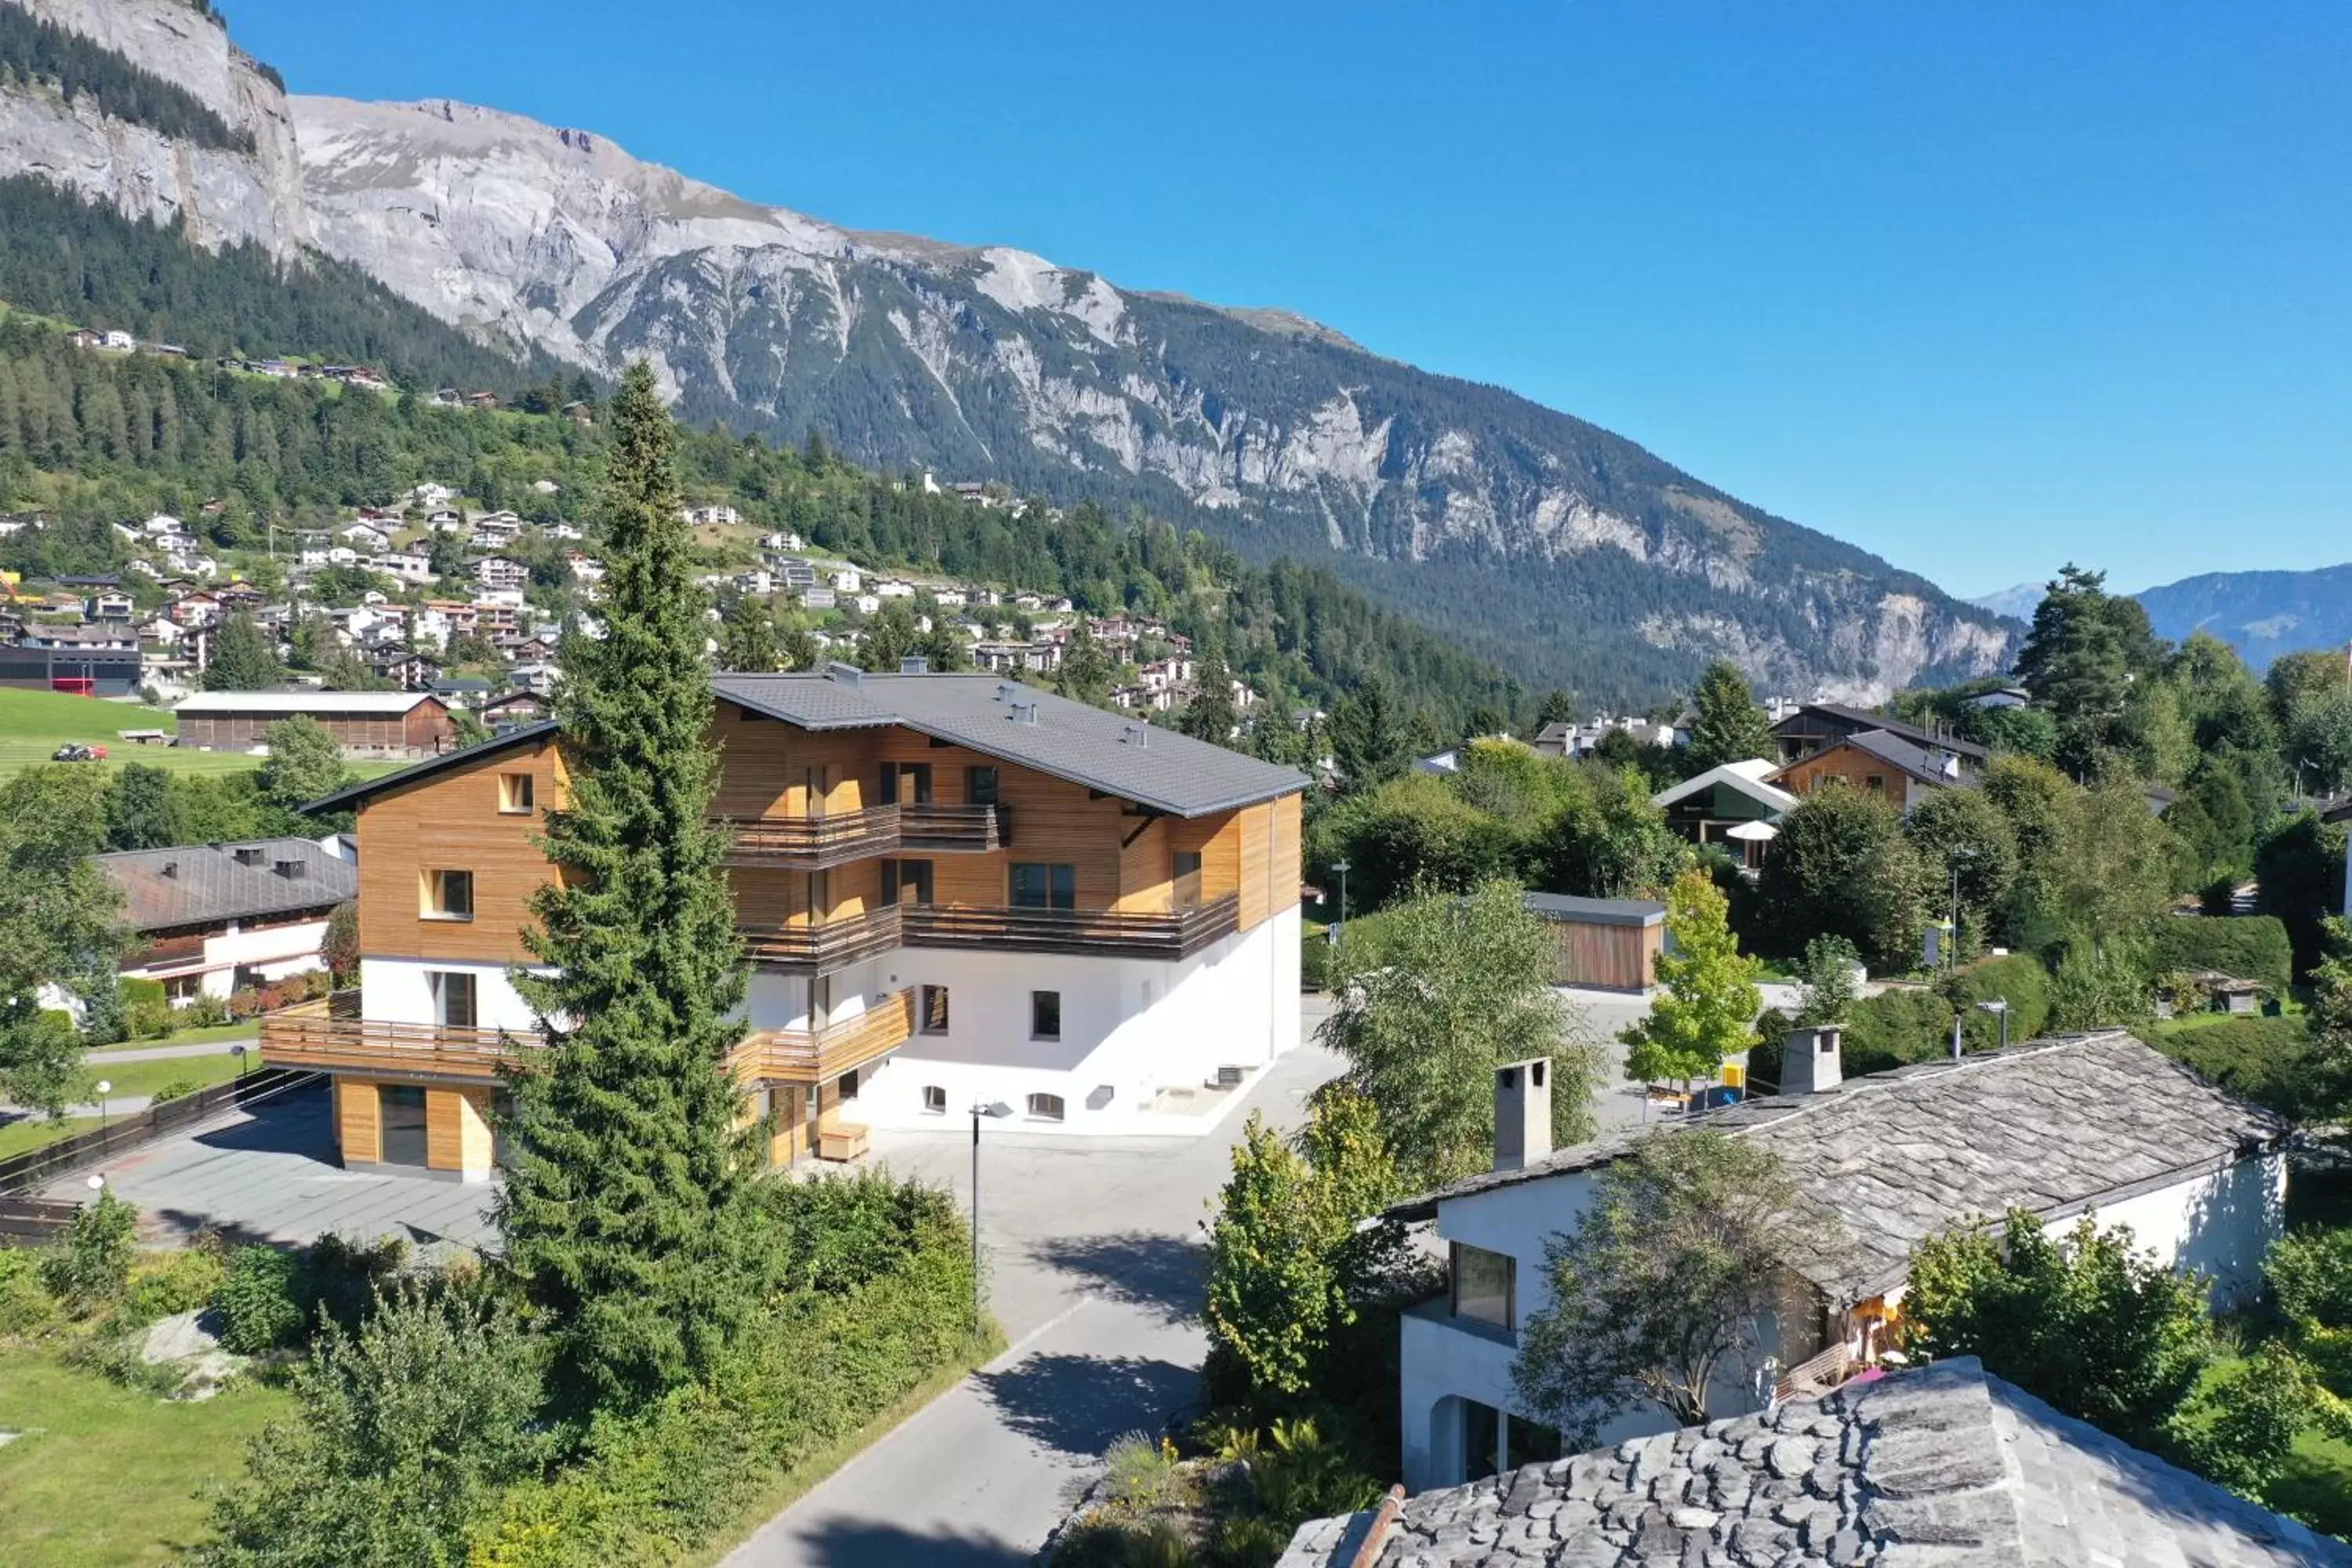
[(1944, 1466), (213, 919), (2094, 1124)]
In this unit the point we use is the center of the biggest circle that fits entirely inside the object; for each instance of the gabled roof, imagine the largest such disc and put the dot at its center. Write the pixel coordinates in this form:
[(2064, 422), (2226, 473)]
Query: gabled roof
[(202, 884), (306, 701), (1919, 762), (1863, 719), (2052, 1125), (1746, 777), (1943, 1465), (1169, 771), (464, 756)]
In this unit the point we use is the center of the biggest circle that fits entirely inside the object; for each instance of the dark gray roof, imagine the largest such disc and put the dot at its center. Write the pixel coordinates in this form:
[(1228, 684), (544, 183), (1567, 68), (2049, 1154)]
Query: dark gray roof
[(1595, 911), (1087, 745), (1863, 719), (1920, 762), (1946, 1465), (352, 795), (201, 884), (2054, 1126)]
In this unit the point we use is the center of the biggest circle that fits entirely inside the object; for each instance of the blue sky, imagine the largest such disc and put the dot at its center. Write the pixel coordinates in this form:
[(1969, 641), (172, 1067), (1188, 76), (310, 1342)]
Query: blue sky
[(1980, 286)]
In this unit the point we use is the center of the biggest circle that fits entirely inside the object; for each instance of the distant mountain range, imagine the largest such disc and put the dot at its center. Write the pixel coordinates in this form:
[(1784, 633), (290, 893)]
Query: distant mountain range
[(2016, 603), (2261, 614), (1567, 553)]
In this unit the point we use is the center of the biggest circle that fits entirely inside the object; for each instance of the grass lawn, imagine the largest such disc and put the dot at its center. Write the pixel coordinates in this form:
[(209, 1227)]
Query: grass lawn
[(146, 1078), (35, 724), (104, 1476), (32, 1131)]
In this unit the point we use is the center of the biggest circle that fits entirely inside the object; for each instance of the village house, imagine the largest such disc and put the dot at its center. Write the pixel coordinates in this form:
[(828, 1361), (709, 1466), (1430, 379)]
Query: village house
[(949, 887), (866, 604), (366, 536), (846, 580), (213, 920), (1814, 727), (1881, 762), (2093, 1124), (1732, 805), (814, 598), (786, 541), (406, 566), (501, 572), (893, 588), (512, 709), (110, 604), (712, 516)]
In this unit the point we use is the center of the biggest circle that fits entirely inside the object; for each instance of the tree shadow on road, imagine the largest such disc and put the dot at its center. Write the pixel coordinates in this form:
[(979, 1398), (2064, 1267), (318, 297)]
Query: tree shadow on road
[(1080, 1403), (849, 1544), (1161, 1274)]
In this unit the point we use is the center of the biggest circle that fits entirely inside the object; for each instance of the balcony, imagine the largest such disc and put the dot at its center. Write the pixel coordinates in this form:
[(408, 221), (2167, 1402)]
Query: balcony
[(817, 949), (810, 843), (955, 829), (820, 1055), (316, 1038), (1177, 934)]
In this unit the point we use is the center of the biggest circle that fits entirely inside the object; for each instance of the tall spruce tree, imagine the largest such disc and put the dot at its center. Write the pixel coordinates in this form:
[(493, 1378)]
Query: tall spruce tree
[(243, 659), (626, 1210), (1730, 727)]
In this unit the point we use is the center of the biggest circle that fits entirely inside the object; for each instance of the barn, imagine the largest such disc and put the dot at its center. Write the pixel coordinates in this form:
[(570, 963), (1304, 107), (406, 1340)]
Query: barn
[(1609, 945), (365, 724)]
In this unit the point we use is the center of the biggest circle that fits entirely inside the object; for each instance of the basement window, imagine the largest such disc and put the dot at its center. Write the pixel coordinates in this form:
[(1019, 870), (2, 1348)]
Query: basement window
[(1045, 1107), (935, 1100)]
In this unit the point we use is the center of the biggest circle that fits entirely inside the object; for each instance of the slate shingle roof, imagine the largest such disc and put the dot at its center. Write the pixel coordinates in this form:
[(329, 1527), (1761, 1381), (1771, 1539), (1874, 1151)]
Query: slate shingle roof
[(1919, 762), (1070, 739), (2052, 1125), (203, 884), (1863, 719), (1945, 1466)]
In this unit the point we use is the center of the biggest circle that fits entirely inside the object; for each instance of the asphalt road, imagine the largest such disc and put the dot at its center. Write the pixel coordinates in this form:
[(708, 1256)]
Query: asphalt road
[(1096, 1260)]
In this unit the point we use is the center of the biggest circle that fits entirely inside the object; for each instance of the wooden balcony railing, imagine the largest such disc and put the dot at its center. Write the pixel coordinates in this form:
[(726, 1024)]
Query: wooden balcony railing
[(171, 951), (811, 843), (816, 949), (1812, 1378), (804, 1055), (312, 1037), (1177, 934), (955, 829)]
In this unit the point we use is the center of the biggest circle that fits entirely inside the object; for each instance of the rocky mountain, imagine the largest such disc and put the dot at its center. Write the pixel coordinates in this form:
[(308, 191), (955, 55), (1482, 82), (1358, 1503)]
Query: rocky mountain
[(1568, 553), (2018, 603), (2261, 614)]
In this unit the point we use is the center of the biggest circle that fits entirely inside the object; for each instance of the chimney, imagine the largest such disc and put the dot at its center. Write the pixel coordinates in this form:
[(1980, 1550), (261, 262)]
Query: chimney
[(846, 674), (1809, 1059), (1522, 1113), (1024, 713), (1951, 766), (1005, 690), (915, 664), (1136, 736), (172, 868)]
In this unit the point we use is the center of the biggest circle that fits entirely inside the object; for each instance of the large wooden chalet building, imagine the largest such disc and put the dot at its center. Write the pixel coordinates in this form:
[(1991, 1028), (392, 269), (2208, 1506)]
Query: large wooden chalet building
[(952, 889)]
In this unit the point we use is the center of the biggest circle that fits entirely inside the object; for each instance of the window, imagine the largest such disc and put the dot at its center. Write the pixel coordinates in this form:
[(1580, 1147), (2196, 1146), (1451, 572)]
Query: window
[(906, 784), (515, 794), (400, 1124), (1187, 868), (452, 997), (1044, 1015), (1036, 885), (1482, 1285), (1875, 781), (980, 786), (906, 882), (1045, 1107), (935, 1099), (848, 1090), (448, 896), (934, 1018)]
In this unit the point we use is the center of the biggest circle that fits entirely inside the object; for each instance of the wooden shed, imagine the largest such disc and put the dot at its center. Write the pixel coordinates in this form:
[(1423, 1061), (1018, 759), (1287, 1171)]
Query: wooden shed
[(364, 723), (1608, 944)]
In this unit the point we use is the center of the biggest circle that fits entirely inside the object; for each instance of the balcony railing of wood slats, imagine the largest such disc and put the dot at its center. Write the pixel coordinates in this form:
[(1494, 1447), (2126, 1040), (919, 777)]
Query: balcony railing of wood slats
[(974, 830), (1177, 934), (804, 1055), (312, 1037), (818, 948), (811, 843)]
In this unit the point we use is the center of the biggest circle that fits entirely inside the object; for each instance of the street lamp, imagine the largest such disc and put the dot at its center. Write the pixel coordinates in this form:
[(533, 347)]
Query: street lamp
[(104, 1088), (1962, 853), (1999, 1004), (1339, 930), (996, 1110), (237, 1050)]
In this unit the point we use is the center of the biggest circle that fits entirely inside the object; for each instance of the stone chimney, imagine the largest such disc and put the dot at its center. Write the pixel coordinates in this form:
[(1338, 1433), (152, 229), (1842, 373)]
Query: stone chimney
[(1522, 1113), (1809, 1059)]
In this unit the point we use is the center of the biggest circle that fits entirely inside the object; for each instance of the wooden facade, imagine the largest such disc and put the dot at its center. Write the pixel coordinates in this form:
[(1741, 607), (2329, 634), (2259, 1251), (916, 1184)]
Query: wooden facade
[(460, 819), (425, 729)]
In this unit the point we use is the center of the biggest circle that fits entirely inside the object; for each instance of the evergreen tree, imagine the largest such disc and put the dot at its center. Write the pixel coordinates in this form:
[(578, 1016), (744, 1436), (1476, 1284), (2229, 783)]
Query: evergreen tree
[(243, 659), (627, 1207), (1730, 726), (141, 813), (1084, 675), (2075, 664), (1368, 740), (1211, 715), (747, 639), (1557, 707)]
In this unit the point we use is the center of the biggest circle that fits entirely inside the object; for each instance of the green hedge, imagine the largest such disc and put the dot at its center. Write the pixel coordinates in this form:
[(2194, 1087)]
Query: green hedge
[(1897, 1027), (2021, 982), (821, 1367), (2271, 1061), (2251, 947)]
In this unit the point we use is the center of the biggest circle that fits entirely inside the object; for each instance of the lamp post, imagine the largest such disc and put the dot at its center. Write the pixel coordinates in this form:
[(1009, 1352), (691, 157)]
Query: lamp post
[(237, 1050), (1341, 931), (996, 1110), (1999, 1004), (1952, 962), (104, 1088)]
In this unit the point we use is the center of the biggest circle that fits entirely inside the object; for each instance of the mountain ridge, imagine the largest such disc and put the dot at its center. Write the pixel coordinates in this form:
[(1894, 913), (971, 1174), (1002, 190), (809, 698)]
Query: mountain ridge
[(2261, 614), (1580, 557)]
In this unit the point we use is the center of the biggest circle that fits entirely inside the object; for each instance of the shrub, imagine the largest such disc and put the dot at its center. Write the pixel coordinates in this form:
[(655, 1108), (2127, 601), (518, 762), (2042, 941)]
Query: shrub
[(177, 1088), (244, 1002), (180, 1281), (90, 1264), (258, 1301), (147, 1012), (26, 1305), (207, 1012), (2250, 947), (1895, 1028), (1141, 1473), (2021, 982)]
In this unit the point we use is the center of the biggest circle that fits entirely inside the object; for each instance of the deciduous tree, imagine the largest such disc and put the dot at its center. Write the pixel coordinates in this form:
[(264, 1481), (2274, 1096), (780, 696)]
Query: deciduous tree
[(58, 926), (1705, 1009)]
